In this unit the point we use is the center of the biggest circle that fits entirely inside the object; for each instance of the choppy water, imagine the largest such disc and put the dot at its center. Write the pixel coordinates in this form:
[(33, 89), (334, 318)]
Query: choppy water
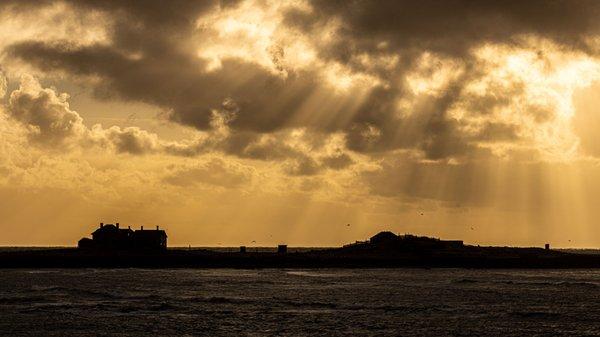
[(298, 302)]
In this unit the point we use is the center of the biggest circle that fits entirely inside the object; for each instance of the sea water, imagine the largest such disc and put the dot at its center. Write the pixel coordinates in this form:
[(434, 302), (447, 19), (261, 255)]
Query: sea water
[(324, 302)]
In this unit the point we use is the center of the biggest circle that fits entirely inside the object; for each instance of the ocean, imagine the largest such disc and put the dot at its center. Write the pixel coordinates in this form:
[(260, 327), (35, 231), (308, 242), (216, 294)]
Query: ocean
[(275, 302)]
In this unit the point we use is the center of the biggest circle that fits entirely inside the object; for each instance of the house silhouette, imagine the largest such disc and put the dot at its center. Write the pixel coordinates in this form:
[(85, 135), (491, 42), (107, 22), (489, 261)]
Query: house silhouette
[(112, 237)]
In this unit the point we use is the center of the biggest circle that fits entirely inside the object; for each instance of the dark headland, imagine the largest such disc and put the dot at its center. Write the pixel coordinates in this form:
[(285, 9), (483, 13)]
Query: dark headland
[(115, 247)]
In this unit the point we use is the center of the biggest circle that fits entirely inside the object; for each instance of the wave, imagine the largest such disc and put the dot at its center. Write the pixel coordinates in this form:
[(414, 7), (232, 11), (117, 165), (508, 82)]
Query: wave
[(161, 307), (316, 274), (22, 299), (96, 294), (308, 304), (535, 314), (76, 292), (149, 297), (575, 284), (221, 300), (465, 280)]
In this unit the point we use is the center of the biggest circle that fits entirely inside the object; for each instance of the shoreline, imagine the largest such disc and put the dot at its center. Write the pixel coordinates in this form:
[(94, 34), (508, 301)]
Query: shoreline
[(470, 257)]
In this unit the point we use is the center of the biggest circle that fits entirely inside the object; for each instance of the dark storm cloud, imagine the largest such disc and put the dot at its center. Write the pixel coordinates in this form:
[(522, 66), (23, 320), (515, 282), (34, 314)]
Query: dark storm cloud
[(452, 26), (274, 147), (427, 128), (176, 81), (152, 58)]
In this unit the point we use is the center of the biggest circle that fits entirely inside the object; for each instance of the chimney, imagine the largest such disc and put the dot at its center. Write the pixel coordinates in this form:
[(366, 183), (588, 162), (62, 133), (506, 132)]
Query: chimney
[(156, 227), (142, 228), (101, 224), (117, 224)]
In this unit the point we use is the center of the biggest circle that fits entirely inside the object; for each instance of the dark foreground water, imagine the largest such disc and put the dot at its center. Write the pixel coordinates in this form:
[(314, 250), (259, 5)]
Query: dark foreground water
[(298, 303)]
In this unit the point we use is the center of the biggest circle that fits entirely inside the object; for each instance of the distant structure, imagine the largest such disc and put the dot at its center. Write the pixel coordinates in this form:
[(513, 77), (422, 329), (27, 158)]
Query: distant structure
[(388, 240), (112, 237), (547, 246), (282, 249), (383, 237)]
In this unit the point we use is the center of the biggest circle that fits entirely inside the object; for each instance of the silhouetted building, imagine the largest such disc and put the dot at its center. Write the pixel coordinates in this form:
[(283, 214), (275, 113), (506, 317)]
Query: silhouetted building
[(391, 241), (383, 237), (85, 243), (112, 237), (150, 239), (547, 246), (282, 249)]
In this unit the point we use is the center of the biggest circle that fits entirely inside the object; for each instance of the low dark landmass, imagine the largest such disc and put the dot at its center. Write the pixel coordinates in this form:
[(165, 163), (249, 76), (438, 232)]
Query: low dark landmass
[(385, 250)]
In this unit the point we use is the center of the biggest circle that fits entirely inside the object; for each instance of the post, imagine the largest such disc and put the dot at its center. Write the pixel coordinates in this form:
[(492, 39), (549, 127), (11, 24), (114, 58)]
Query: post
[(101, 224), (547, 246), (141, 227)]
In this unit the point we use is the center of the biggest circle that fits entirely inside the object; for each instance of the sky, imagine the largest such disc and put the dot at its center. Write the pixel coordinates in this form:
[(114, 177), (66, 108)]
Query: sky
[(306, 122)]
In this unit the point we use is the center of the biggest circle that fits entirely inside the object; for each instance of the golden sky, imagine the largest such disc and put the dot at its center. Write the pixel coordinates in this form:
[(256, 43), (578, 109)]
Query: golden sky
[(260, 122)]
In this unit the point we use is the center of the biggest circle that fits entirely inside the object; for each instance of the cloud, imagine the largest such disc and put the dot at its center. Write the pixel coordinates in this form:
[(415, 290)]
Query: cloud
[(44, 113), (55, 21), (51, 124), (3, 85), (324, 112), (215, 172), (303, 166), (131, 140), (337, 161), (389, 75), (428, 25), (429, 102)]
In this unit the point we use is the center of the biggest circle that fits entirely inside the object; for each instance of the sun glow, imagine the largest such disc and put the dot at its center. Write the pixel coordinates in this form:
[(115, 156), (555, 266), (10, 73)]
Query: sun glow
[(433, 74), (255, 33), (539, 88)]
